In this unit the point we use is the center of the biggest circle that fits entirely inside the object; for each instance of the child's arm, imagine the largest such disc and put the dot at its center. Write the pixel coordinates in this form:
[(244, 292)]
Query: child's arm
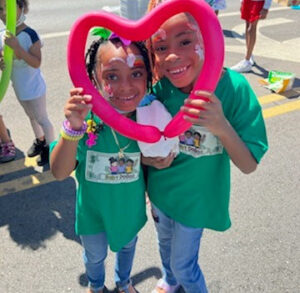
[(265, 9), (63, 156), (212, 117), (2, 63), (32, 57)]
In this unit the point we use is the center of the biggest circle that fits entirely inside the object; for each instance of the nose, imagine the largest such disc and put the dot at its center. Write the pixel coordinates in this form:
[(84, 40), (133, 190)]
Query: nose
[(172, 57), (126, 85)]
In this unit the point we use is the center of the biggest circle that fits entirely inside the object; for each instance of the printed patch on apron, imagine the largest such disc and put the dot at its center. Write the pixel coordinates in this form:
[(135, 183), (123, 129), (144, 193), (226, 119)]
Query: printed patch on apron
[(110, 168), (198, 142)]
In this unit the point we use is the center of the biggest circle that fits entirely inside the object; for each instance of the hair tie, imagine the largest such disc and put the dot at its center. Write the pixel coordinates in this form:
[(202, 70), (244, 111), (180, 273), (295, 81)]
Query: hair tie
[(106, 34), (101, 32)]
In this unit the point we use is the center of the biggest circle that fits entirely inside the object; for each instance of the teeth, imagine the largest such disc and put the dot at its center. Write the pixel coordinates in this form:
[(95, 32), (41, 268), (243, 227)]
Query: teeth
[(127, 98), (179, 70)]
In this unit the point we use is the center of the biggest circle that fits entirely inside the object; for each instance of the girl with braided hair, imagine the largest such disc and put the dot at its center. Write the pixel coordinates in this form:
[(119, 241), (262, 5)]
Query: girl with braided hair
[(110, 202)]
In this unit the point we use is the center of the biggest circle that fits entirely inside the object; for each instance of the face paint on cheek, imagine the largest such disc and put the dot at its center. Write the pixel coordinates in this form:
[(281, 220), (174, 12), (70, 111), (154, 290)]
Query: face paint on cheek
[(108, 89), (160, 35), (199, 51)]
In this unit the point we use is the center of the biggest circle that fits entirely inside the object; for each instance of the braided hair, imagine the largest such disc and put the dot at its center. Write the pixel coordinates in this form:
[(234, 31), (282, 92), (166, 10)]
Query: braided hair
[(90, 59), (23, 4)]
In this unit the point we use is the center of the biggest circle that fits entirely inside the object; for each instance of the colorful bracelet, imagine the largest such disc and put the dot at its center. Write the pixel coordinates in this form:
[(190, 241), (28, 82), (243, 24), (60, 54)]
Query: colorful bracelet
[(71, 138), (70, 134)]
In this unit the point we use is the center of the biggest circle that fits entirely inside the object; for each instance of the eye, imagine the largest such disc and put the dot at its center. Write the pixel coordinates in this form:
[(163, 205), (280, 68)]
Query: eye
[(160, 49), (185, 42), (111, 77), (137, 74)]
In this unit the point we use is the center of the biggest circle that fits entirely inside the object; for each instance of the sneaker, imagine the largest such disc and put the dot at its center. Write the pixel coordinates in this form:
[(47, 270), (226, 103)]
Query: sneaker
[(163, 287), (252, 61), (8, 152), (242, 66), (36, 148), (44, 156)]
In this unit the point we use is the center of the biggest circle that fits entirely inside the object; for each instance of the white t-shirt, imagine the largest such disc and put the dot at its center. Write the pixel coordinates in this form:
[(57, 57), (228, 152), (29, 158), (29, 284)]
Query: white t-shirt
[(28, 82)]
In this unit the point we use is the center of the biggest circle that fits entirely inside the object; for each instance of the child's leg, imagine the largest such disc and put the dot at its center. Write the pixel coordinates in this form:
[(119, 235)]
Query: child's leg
[(179, 248), (7, 147), (184, 258), (250, 38), (37, 129), (124, 260), (94, 255), (4, 137), (165, 233), (37, 113)]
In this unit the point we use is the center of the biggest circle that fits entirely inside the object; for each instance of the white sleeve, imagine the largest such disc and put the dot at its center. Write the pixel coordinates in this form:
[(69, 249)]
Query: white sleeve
[(267, 4), (2, 32)]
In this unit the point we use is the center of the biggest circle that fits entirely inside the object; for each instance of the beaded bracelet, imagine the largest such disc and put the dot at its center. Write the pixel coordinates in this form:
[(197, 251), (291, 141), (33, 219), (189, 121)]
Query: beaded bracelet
[(68, 137), (70, 134)]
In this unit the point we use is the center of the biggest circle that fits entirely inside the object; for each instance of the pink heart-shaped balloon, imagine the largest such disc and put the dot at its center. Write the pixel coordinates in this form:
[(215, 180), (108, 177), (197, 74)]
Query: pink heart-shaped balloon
[(142, 30)]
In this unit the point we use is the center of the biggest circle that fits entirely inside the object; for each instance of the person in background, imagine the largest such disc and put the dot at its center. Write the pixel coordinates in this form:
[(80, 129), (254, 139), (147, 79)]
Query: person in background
[(7, 147), (28, 82), (219, 5), (251, 11), (133, 9)]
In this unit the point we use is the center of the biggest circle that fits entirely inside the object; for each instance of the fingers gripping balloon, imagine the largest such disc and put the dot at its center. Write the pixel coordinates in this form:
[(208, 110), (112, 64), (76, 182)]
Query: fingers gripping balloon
[(142, 30), (8, 52)]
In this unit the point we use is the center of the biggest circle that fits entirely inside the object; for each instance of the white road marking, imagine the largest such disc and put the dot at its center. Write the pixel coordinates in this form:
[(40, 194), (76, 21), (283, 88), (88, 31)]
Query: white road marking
[(227, 14), (267, 47)]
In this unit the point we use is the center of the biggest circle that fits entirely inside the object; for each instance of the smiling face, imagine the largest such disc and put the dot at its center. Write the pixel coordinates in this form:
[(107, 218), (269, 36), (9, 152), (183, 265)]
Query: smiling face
[(178, 54), (122, 75)]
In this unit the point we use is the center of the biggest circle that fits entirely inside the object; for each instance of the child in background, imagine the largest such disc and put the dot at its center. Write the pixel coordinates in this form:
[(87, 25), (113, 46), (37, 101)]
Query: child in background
[(27, 80), (219, 5), (7, 147), (232, 123), (251, 11), (110, 204)]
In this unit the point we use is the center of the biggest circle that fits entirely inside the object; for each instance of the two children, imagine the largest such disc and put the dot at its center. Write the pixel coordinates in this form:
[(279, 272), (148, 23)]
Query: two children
[(111, 206)]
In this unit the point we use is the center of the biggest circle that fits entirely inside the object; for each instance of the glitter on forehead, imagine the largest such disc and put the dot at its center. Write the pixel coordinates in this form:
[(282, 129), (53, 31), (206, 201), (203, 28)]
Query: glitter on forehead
[(192, 26), (160, 35), (139, 61), (131, 59), (117, 59)]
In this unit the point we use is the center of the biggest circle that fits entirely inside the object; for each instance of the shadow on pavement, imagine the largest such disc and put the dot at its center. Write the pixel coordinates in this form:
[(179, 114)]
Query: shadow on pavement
[(36, 214), (136, 279), (232, 34)]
